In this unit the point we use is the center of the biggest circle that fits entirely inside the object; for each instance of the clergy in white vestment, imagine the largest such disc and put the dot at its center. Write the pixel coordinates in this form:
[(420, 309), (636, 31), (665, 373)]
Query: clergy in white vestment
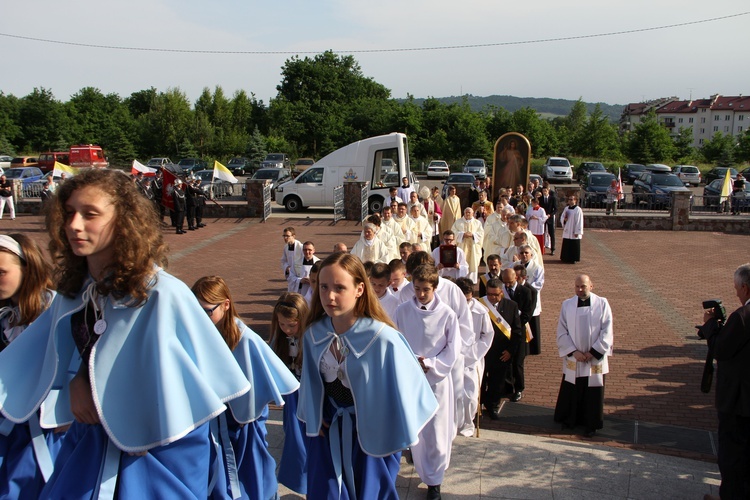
[(394, 237), (404, 222), (469, 236), (291, 258), (572, 222), (433, 208), (451, 209), (460, 268), (414, 201), (474, 354), (405, 190), (432, 331), (422, 232), (496, 234), (369, 248), (584, 342), (301, 283)]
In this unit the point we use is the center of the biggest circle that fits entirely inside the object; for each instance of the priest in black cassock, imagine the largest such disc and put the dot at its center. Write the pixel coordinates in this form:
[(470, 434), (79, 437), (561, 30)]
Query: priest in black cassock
[(584, 341)]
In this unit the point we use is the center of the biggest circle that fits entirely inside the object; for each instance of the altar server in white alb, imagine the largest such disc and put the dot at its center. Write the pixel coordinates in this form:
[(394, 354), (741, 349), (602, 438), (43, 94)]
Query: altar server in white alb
[(431, 329), (572, 222), (291, 259), (474, 354), (460, 268), (301, 283), (470, 235), (584, 340), (380, 277)]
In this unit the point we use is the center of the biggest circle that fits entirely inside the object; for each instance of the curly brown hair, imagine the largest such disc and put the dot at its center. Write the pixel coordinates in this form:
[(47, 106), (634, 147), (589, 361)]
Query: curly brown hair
[(33, 296), (138, 243)]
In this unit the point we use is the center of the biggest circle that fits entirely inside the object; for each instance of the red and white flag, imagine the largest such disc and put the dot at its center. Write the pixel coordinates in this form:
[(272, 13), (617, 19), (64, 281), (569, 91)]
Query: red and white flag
[(139, 167)]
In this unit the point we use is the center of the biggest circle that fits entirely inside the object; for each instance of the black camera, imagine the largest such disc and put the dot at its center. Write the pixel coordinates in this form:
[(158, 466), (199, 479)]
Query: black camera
[(719, 312)]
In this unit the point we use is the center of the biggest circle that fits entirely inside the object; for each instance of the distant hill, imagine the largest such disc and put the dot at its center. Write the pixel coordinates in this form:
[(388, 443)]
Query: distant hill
[(543, 105)]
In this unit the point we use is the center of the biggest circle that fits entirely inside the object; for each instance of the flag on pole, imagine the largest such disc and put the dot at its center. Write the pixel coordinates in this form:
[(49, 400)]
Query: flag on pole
[(726, 188), (620, 194), (223, 173), (61, 168), (168, 178), (140, 167)]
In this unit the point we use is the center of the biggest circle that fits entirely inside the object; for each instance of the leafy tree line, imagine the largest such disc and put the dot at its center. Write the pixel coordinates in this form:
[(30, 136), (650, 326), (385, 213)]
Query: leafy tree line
[(325, 102)]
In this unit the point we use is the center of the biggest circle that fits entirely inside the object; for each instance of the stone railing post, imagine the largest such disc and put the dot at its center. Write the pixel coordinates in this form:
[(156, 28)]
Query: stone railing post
[(680, 211), (256, 201)]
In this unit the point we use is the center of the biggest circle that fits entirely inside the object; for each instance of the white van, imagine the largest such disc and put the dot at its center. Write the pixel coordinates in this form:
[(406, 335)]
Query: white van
[(359, 161)]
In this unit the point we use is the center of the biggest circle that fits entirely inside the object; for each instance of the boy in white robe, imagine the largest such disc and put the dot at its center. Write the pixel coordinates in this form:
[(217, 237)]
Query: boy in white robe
[(398, 277), (380, 278), (431, 329), (291, 259), (301, 283), (474, 354)]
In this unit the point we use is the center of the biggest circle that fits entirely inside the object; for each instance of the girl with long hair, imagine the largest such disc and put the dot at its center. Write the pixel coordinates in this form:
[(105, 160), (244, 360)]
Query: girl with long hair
[(242, 430), (289, 313), (363, 394), (25, 462), (145, 378)]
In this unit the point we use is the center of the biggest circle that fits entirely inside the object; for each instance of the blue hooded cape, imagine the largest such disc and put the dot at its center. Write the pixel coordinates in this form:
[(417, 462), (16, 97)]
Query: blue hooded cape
[(392, 398), (159, 370), (268, 375)]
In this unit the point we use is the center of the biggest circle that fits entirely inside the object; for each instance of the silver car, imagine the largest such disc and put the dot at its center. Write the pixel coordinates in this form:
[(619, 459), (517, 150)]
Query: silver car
[(688, 174), (557, 169)]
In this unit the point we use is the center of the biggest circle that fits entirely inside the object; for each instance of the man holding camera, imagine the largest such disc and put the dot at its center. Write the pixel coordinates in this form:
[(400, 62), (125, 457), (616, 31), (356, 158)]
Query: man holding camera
[(730, 343)]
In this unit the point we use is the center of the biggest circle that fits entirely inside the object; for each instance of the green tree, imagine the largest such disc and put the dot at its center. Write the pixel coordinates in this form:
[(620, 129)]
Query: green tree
[(683, 143), (167, 124), (540, 133), (10, 131), (649, 142), (599, 136), (43, 121), (742, 150), (573, 131), (719, 149)]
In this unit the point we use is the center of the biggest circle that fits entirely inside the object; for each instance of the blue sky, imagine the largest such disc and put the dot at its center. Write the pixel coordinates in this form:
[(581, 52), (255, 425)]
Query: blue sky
[(703, 59)]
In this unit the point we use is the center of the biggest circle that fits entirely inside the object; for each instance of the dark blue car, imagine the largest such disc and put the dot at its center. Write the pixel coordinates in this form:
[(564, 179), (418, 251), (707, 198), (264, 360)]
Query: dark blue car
[(656, 189), (594, 188)]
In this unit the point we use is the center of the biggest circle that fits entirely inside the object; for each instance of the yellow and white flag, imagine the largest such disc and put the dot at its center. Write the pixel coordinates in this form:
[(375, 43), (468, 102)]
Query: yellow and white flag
[(61, 168), (726, 187), (223, 173)]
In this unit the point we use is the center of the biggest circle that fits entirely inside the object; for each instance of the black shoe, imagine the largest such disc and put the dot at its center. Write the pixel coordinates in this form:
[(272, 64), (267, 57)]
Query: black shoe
[(433, 492), (180, 231), (552, 252), (495, 414), (200, 224), (589, 433), (516, 397), (191, 229)]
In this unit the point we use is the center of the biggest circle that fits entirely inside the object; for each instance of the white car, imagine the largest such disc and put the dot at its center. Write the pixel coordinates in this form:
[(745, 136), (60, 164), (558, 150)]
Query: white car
[(689, 174), (559, 169), (5, 161), (438, 168)]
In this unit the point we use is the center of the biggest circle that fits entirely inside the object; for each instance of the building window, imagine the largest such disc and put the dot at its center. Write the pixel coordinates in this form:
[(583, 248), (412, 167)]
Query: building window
[(727, 117), (716, 118), (679, 120), (690, 120), (716, 129), (703, 119), (703, 131), (726, 129), (700, 142), (739, 129), (740, 118)]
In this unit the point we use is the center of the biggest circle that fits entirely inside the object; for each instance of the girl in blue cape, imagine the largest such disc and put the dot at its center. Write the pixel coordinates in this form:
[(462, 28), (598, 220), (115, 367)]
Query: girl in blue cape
[(286, 341), (363, 394), (27, 451), (249, 470), (149, 370)]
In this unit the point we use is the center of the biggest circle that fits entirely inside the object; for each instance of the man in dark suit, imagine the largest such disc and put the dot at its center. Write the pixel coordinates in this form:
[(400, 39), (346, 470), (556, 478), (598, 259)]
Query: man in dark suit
[(506, 323), (731, 349), (523, 298), (548, 202)]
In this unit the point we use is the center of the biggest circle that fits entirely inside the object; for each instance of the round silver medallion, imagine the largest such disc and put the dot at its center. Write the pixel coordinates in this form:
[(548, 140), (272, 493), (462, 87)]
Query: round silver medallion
[(100, 327)]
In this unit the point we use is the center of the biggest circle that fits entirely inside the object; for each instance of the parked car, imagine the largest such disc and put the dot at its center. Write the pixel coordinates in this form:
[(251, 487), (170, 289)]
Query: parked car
[(594, 188), (465, 180), (688, 174), (537, 177), (387, 165), (277, 160), (302, 163), (26, 174), (158, 162), (239, 165), (5, 161), (438, 168), (23, 161), (214, 188), (631, 171), (276, 175), (191, 165), (656, 189), (746, 173), (34, 188), (720, 173), (712, 193), (557, 168), (46, 161), (476, 167), (586, 167), (658, 168)]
